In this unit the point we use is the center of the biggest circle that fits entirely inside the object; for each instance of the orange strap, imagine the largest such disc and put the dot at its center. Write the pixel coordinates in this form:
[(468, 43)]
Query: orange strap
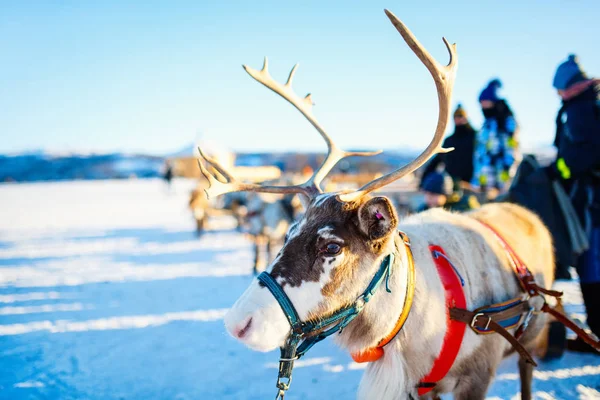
[(375, 353)]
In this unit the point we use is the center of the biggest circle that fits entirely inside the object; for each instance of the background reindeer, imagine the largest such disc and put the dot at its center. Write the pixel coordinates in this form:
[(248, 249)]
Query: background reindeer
[(199, 206), (264, 217), (267, 221), (202, 209), (332, 253)]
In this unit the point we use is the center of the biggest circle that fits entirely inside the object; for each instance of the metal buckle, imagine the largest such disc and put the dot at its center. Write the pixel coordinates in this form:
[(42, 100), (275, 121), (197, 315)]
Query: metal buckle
[(360, 302), (405, 238), (282, 386), (474, 320), (521, 329)]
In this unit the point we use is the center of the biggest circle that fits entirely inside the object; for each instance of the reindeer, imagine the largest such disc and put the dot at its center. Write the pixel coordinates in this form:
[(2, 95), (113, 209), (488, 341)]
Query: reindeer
[(348, 241), (202, 210), (199, 205), (265, 219), (268, 219)]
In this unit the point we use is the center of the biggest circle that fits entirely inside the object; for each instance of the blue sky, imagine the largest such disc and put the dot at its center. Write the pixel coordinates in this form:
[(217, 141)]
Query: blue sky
[(155, 76)]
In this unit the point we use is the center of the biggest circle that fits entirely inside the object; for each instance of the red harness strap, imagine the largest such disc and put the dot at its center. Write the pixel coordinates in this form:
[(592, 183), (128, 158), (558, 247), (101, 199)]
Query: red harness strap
[(525, 276), (455, 330)]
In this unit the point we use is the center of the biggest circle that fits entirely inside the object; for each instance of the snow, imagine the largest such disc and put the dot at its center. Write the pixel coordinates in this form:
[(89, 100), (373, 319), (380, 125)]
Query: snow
[(107, 293)]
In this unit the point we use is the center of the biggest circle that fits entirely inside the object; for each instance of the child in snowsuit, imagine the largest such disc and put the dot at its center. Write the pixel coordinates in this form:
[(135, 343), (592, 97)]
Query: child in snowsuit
[(496, 143)]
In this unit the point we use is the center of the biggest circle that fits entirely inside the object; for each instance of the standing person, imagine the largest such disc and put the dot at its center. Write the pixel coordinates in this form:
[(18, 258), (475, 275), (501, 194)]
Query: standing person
[(459, 162), (577, 166), (168, 175), (496, 143)]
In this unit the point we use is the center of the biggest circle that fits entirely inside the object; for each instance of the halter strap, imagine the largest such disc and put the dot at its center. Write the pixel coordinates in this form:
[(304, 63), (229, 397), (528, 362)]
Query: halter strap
[(304, 335), (284, 301)]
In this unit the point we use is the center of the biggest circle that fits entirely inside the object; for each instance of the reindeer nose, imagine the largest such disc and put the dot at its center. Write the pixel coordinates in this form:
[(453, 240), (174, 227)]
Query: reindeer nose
[(243, 328)]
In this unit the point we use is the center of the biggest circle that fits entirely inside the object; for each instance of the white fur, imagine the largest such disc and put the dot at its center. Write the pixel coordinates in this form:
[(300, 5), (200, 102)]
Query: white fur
[(385, 379), (296, 228), (324, 229), (269, 324), (325, 234), (307, 296)]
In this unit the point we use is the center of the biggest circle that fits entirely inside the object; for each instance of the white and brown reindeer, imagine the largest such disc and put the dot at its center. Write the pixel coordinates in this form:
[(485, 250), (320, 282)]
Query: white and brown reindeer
[(337, 256)]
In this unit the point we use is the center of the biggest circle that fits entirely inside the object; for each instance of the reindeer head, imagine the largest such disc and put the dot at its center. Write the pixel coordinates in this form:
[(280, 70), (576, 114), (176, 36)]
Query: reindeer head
[(333, 251)]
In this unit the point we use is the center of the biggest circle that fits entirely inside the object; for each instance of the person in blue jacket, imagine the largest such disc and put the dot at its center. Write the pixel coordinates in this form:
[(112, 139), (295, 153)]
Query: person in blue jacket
[(577, 166)]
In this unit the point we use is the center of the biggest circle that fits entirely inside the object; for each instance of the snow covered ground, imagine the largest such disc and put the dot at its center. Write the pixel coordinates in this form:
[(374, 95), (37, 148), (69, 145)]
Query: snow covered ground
[(106, 293)]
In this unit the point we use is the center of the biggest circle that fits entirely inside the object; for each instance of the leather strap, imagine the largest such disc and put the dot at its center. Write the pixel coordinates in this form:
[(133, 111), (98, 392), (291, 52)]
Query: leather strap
[(563, 319), (549, 292), (528, 283), (488, 321), (466, 315)]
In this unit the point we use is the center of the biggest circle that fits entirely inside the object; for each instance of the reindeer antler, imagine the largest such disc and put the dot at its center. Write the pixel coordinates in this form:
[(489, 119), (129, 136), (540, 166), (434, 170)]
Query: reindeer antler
[(312, 186), (443, 77), (227, 183)]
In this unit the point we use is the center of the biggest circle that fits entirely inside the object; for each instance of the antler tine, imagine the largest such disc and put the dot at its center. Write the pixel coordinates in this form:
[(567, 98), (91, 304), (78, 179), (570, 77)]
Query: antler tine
[(215, 164), (217, 187), (304, 105), (443, 77), (333, 157)]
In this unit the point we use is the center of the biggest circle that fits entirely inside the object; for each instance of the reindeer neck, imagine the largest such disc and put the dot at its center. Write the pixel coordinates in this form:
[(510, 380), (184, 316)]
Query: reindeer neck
[(380, 316), (407, 351)]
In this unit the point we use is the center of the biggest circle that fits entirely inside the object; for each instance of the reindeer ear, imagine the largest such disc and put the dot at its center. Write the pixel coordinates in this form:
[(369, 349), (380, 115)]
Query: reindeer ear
[(377, 218)]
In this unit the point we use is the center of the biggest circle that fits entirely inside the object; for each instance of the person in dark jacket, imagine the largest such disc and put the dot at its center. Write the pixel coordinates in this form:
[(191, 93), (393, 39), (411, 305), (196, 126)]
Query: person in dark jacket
[(438, 189), (496, 144), (577, 166), (459, 162)]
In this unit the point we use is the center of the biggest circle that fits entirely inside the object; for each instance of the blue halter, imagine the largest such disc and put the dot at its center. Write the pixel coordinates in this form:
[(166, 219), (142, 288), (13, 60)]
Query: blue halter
[(301, 336)]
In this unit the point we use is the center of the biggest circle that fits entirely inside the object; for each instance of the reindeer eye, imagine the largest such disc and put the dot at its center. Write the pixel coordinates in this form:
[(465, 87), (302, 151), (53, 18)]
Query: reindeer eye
[(332, 249)]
